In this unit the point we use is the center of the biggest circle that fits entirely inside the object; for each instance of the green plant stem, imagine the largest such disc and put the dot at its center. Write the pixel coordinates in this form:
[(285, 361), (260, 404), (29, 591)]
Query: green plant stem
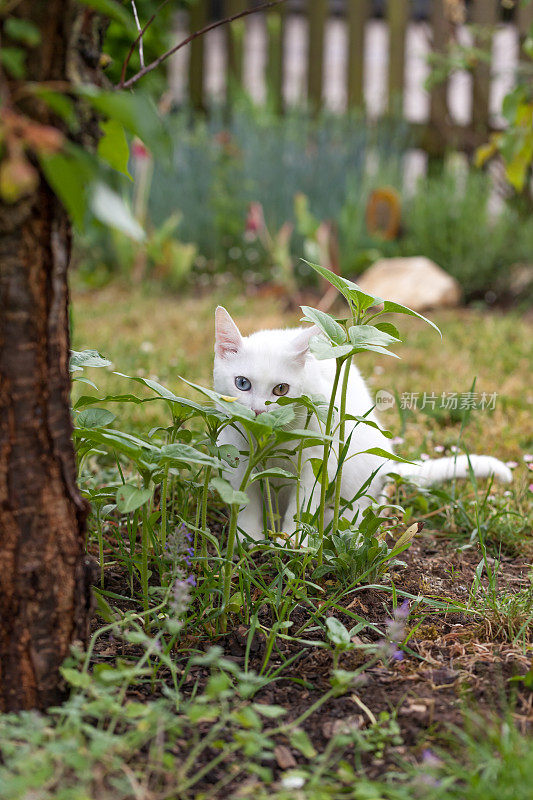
[(324, 478), (269, 506), (298, 473), (232, 535), (144, 557), (342, 429), (100, 545), (164, 497), (203, 517)]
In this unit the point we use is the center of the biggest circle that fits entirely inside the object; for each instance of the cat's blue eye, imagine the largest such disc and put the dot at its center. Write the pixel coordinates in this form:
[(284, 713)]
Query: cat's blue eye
[(242, 383)]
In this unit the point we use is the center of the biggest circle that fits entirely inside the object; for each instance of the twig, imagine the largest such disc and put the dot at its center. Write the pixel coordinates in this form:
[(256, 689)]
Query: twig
[(126, 84), (134, 45), (141, 48)]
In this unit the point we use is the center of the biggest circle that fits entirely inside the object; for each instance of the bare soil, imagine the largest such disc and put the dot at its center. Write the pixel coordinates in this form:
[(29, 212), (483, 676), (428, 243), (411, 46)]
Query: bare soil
[(453, 662)]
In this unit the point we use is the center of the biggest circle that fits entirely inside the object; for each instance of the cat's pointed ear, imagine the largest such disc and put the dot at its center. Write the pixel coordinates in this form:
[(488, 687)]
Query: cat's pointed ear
[(228, 338), (300, 343)]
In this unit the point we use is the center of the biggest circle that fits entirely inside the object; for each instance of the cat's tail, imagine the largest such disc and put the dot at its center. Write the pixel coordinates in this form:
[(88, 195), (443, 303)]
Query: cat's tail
[(438, 470)]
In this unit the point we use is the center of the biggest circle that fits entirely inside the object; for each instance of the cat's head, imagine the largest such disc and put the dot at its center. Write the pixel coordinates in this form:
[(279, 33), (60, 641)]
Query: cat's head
[(260, 367)]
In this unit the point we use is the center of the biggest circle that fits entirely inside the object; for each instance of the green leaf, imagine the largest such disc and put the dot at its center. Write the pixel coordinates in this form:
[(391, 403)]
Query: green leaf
[(185, 454), (397, 308), (79, 379), (389, 328), (371, 423), (227, 493), (143, 453), (342, 680), (277, 416), (230, 404), (327, 324), (21, 30), (273, 472), (363, 335), (337, 633), (355, 294), (13, 60), (349, 289), (229, 453), (87, 358), (236, 602), (113, 10), (62, 105), (130, 497), (80, 680), (323, 350), (136, 112), (103, 608), (308, 437), (70, 175), (301, 741), (166, 394), (379, 451), (485, 151), (95, 418), (269, 711), (110, 208), (511, 102), (135, 710), (113, 146)]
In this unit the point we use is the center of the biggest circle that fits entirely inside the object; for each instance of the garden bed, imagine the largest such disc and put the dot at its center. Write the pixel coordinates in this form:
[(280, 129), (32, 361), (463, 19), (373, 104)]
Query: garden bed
[(456, 666)]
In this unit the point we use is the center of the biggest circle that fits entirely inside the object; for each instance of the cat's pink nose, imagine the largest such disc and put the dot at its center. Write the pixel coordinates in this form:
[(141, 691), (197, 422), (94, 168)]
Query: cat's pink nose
[(261, 411)]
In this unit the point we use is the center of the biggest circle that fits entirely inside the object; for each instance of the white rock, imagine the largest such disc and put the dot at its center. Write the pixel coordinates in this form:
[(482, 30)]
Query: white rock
[(416, 282)]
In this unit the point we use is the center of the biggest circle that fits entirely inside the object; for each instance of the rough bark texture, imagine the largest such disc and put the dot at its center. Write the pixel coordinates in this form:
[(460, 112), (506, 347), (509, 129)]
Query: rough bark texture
[(44, 578)]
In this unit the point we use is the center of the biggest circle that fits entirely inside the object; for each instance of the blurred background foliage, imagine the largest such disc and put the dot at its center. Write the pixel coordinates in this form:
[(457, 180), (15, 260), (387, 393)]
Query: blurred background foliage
[(197, 209), (246, 193)]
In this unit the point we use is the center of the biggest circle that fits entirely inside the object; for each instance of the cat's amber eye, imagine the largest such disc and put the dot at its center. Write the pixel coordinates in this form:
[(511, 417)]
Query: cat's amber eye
[(280, 389), (242, 383)]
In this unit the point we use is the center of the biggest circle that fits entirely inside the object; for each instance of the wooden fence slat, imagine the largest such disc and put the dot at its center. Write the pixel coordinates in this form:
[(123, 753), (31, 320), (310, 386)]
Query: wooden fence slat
[(234, 32), (397, 17), (318, 11), (484, 15), (438, 99), (275, 67), (358, 14), (197, 20)]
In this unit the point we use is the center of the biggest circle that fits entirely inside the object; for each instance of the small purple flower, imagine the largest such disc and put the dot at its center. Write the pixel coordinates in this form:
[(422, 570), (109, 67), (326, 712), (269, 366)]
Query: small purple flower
[(402, 611), (430, 759), (395, 632), (181, 557), (181, 593), (398, 655)]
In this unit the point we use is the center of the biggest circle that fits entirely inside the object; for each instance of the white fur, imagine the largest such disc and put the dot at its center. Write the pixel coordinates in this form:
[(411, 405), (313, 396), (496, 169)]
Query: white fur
[(270, 357)]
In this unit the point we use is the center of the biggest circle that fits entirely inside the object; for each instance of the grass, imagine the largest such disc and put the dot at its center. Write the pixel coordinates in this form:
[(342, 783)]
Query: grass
[(304, 683), (147, 333)]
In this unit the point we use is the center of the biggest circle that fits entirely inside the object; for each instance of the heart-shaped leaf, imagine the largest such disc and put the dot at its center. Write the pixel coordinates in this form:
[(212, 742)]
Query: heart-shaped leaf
[(95, 418), (227, 493), (129, 498)]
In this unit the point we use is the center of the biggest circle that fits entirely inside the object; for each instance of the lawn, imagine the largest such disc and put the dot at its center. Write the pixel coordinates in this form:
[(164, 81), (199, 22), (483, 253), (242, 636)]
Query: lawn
[(151, 334), (368, 676)]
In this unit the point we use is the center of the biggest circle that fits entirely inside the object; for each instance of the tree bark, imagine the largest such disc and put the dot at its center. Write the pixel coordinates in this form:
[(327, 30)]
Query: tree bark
[(44, 577)]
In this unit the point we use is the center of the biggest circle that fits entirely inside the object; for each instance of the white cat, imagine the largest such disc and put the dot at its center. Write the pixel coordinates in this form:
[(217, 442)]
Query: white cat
[(273, 363)]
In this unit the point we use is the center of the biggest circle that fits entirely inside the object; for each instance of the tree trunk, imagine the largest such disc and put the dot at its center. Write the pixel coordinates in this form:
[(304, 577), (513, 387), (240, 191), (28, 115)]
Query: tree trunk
[(44, 578)]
